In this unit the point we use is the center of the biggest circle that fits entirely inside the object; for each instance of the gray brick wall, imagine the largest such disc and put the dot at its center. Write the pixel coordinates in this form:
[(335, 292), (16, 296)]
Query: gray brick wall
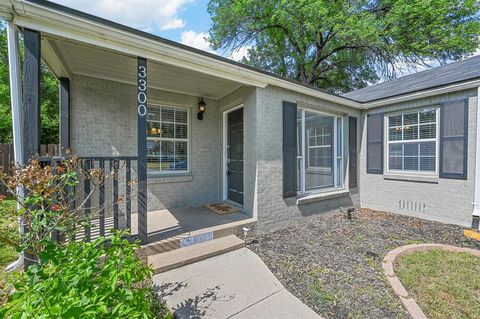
[(448, 201), (104, 123), (274, 211)]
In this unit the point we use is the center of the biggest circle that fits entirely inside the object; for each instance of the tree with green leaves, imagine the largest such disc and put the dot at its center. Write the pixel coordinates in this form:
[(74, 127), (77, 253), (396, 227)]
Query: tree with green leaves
[(342, 45), (49, 130)]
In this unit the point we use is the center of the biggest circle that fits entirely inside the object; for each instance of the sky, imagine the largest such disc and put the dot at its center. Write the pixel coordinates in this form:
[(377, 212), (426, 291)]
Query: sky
[(184, 21)]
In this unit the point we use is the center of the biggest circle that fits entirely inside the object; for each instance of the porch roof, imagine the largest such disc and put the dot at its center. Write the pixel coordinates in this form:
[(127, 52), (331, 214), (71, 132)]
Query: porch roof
[(70, 57), (57, 21)]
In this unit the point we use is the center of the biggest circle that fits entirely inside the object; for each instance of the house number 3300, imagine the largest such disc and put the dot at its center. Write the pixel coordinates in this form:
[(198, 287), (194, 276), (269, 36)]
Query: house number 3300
[(142, 91)]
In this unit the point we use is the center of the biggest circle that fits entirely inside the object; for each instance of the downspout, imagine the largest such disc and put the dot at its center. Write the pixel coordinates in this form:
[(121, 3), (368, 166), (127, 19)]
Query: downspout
[(17, 116), (476, 204)]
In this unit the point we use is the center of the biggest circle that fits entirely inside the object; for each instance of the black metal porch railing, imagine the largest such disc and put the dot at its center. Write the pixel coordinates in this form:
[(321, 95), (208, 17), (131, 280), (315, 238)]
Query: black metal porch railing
[(90, 197)]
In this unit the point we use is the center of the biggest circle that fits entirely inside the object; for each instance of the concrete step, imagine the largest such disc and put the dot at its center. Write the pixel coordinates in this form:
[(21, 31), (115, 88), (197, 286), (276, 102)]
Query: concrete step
[(183, 256), (196, 237)]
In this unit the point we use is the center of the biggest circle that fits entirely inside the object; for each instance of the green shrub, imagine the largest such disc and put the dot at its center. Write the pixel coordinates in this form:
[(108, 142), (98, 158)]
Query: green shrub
[(101, 279), (70, 279)]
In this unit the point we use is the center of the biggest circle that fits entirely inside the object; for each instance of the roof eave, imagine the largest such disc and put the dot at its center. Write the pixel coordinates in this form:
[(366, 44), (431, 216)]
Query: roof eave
[(445, 89), (69, 26)]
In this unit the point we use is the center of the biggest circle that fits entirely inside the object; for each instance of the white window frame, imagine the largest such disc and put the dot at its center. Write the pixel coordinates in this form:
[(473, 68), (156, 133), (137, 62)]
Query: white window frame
[(436, 140), (160, 139), (338, 155)]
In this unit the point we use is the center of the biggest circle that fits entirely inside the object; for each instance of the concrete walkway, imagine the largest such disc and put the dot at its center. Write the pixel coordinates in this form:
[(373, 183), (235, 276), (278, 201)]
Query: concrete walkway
[(233, 285)]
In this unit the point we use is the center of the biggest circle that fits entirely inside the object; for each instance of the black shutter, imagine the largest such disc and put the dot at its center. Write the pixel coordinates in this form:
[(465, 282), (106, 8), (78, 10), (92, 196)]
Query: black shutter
[(375, 143), (289, 149), (352, 157), (454, 139)]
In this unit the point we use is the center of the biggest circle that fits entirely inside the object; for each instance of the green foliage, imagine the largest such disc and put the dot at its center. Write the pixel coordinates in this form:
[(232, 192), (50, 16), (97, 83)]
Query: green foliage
[(45, 210), (69, 279), (100, 279), (8, 227), (49, 99), (342, 45)]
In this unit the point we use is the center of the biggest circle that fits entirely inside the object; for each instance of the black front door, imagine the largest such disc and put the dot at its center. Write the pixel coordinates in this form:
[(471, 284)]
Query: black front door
[(235, 156)]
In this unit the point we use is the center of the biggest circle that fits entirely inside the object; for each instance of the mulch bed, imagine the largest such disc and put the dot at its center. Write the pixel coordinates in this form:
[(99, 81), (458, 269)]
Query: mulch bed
[(334, 264)]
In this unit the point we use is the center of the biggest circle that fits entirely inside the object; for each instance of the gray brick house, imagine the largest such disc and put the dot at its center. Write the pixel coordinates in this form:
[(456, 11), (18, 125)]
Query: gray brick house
[(204, 129)]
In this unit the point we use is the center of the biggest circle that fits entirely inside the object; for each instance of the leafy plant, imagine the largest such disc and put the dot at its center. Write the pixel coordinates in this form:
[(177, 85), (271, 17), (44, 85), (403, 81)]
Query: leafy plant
[(45, 208), (100, 279), (70, 278), (341, 45)]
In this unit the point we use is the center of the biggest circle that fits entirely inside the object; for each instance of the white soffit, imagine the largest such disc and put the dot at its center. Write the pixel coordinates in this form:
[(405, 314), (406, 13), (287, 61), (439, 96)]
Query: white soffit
[(104, 64)]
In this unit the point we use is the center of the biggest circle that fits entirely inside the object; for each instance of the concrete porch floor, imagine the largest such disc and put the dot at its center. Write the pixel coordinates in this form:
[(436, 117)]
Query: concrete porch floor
[(175, 223), (180, 222)]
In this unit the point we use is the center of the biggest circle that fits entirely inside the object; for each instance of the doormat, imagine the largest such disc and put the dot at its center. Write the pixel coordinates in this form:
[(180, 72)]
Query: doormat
[(222, 209)]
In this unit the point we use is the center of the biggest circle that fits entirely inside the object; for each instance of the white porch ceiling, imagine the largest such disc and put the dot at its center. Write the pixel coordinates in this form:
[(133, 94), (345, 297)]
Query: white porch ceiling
[(99, 63)]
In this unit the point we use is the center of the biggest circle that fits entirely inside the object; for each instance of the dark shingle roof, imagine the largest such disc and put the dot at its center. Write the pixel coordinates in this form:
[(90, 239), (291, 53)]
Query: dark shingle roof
[(443, 75)]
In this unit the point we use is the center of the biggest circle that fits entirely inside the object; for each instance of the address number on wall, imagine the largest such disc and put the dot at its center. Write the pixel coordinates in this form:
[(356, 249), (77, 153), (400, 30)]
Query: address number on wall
[(142, 88)]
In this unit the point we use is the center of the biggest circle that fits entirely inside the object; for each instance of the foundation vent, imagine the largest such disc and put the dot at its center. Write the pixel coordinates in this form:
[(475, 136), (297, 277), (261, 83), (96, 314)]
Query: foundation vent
[(412, 206)]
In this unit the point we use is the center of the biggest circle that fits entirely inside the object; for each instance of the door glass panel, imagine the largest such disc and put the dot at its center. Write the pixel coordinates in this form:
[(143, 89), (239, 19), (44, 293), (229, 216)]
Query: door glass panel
[(319, 130)]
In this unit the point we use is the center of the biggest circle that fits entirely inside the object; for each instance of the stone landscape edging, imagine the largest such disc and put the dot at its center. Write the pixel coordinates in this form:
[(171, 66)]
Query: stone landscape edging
[(388, 267)]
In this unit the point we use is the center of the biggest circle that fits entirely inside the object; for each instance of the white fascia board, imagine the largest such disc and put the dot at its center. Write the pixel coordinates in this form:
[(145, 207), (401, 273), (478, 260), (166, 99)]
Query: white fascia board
[(67, 26), (423, 94)]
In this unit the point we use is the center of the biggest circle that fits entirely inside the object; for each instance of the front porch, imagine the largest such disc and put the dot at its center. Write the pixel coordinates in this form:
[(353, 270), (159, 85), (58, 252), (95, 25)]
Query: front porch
[(136, 119)]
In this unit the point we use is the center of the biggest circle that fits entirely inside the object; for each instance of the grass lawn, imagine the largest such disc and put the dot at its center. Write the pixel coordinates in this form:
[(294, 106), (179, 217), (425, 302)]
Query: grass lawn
[(444, 284), (8, 228)]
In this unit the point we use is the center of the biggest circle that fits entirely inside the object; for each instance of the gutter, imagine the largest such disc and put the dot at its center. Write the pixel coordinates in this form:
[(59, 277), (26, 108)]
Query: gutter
[(476, 203)]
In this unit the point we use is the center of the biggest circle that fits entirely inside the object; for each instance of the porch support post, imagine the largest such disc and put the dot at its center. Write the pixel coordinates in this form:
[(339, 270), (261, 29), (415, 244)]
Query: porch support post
[(17, 115), (64, 94), (142, 148), (31, 91)]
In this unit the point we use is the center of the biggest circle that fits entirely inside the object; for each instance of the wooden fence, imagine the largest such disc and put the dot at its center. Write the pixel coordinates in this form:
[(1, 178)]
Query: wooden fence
[(7, 158)]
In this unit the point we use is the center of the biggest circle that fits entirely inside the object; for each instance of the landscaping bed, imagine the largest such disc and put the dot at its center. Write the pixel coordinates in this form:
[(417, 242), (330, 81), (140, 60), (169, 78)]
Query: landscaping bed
[(334, 264)]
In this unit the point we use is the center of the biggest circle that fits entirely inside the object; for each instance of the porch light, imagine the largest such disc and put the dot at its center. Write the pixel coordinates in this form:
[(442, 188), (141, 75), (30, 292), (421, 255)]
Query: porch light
[(201, 109)]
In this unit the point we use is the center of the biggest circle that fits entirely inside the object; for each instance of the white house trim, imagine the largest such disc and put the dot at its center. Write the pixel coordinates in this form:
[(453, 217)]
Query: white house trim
[(17, 112), (476, 204)]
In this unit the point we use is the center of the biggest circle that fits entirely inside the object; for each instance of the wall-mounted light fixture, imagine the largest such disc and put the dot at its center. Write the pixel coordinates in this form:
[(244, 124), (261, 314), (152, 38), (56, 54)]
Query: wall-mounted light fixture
[(201, 108)]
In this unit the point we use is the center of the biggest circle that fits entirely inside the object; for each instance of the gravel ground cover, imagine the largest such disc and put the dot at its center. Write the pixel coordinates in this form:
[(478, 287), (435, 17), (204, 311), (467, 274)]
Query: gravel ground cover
[(334, 264)]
